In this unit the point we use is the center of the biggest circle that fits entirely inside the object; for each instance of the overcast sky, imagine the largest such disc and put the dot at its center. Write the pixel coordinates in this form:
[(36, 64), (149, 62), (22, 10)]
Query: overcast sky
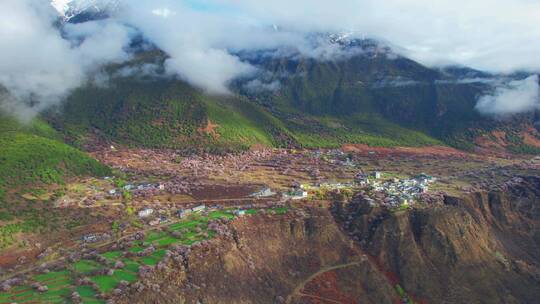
[(39, 64), (495, 35)]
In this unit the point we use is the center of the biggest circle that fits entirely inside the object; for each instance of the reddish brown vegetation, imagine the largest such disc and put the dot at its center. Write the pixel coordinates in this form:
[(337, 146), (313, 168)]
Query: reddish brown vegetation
[(210, 129), (326, 286), (403, 151), (531, 140)]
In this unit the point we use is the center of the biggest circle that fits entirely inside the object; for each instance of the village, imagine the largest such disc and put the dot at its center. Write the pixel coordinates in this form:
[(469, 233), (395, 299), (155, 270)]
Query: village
[(158, 197), (390, 193), (111, 263), (395, 192), (159, 204)]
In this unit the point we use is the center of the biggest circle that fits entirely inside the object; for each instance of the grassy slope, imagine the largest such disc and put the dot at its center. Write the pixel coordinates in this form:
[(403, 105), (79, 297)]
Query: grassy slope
[(361, 129), (234, 127), (244, 124), (33, 153), (320, 104), (161, 114), (152, 114), (171, 114), (364, 94)]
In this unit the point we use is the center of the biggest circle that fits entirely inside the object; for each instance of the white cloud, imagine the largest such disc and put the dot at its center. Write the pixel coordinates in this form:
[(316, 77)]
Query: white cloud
[(201, 37), (518, 96), (201, 42), (494, 35), (38, 66), (163, 12), (257, 86), (61, 6), (193, 40)]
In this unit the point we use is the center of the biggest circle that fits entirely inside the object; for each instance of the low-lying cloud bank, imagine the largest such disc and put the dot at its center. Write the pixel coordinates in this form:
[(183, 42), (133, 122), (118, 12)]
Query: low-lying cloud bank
[(38, 66), (40, 62), (518, 96)]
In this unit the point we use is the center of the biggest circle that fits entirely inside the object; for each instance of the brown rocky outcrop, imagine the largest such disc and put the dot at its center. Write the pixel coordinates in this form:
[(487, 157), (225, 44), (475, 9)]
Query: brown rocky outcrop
[(268, 259), (480, 248), (483, 247)]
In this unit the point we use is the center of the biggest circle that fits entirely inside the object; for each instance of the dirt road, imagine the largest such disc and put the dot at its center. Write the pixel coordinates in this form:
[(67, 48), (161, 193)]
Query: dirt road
[(298, 290)]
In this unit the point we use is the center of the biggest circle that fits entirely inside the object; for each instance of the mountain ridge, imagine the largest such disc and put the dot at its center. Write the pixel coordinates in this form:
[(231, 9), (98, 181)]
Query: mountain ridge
[(77, 11)]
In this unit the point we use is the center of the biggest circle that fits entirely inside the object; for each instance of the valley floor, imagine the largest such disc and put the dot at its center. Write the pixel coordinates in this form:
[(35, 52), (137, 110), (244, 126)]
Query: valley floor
[(96, 239)]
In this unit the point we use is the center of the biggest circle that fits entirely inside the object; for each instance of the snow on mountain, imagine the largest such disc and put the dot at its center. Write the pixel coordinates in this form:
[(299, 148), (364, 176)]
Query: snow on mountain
[(62, 6), (70, 9)]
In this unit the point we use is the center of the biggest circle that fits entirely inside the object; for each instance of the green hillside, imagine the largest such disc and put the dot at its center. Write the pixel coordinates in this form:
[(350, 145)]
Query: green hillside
[(366, 129), (399, 90), (172, 114), (242, 124), (33, 154), (377, 101), (152, 114), (162, 114)]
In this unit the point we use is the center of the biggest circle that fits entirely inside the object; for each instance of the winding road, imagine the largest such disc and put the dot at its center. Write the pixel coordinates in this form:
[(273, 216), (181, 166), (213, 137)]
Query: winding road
[(298, 290)]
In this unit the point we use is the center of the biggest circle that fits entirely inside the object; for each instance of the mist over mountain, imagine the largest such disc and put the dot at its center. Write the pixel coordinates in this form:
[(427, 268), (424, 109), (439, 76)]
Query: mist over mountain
[(76, 11), (298, 71), (202, 40)]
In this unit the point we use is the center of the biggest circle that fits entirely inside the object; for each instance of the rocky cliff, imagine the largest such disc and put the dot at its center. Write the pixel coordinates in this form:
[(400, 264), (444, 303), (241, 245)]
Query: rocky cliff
[(479, 248), (267, 259), (483, 247)]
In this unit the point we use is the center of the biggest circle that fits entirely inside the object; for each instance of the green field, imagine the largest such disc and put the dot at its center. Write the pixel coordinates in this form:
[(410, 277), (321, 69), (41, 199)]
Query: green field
[(86, 291), (153, 236), (280, 210), (86, 266), (136, 249), (165, 241), (112, 255), (61, 283), (131, 266), (105, 283), (221, 214)]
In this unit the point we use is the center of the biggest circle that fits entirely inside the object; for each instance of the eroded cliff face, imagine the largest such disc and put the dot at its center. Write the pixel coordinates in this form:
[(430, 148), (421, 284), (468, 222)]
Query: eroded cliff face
[(268, 259), (480, 248)]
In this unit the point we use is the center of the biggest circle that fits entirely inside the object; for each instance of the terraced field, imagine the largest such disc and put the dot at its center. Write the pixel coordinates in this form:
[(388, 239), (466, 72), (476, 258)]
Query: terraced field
[(61, 284)]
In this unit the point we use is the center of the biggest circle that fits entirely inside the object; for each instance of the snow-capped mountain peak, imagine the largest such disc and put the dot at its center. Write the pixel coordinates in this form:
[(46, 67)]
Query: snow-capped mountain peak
[(62, 6), (69, 9)]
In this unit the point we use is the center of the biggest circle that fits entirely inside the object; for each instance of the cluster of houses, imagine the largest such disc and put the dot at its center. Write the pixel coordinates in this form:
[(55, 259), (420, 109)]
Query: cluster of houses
[(263, 193), (334, 185), (155, 220), (95, 238), (335, 156), (141, 187), (301, 191), (183, 213), (129, 187), (364, 179), (297, 192), (395, 192)]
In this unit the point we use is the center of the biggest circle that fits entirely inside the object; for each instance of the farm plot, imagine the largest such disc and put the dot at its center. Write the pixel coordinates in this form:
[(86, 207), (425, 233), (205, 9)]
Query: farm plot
[(61, 284), (86, 266)]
